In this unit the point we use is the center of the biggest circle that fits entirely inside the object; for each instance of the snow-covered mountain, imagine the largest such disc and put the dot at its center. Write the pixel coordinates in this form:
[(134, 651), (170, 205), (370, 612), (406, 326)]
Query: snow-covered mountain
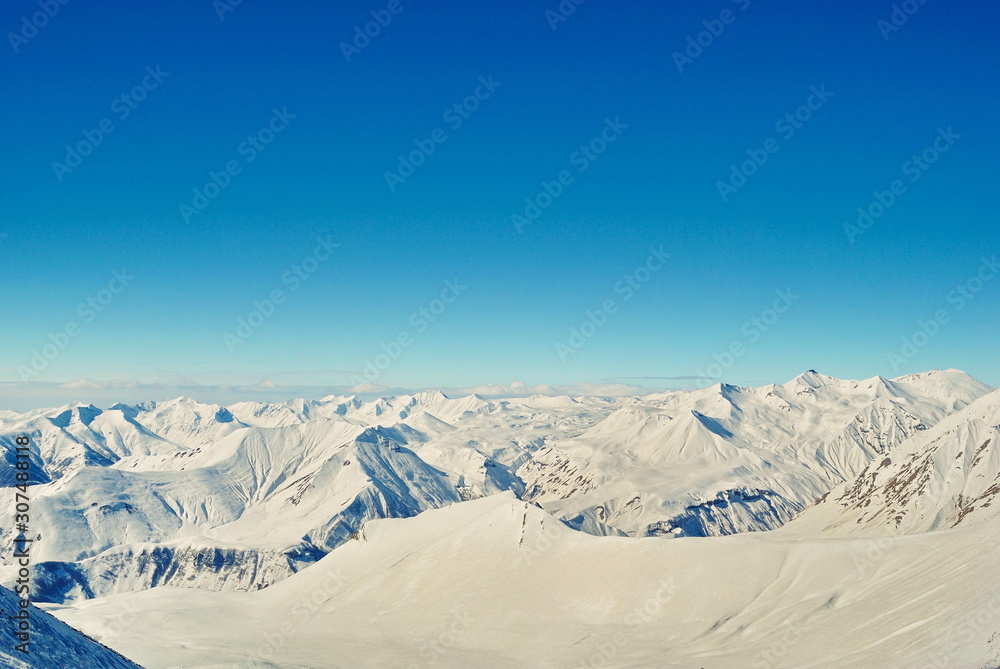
[(427, 531), (726, 459), (52, 643), (240, 497), (942, 478)]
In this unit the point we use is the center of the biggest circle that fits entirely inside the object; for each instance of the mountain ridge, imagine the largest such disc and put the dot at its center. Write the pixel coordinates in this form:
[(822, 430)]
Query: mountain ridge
[(277, 486)]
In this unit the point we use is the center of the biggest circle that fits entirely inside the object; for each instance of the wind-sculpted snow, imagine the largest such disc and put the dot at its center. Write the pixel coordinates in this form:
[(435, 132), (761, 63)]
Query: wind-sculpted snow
[(180, 493)]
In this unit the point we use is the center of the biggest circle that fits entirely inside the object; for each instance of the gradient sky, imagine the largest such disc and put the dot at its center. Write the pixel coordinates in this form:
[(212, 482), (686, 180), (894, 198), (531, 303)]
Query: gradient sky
[(654, 186)]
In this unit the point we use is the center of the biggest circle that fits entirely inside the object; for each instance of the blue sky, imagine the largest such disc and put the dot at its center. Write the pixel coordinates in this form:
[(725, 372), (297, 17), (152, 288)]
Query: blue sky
[(670, 136)]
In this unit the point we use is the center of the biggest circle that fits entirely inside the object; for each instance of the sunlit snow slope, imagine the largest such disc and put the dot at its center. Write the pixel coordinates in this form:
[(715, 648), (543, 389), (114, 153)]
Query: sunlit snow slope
[(426, 531), (238, 498), (52, 643)]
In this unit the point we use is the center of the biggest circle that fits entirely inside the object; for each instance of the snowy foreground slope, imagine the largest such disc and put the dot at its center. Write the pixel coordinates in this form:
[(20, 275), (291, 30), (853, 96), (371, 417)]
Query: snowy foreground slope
[(497, 582), (425, 531), (53, 644)]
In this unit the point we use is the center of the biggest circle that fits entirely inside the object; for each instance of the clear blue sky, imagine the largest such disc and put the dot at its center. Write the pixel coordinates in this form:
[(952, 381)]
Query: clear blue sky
[(656, 184)]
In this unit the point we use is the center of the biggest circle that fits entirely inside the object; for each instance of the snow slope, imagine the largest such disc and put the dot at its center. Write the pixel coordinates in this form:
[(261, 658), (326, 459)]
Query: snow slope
[(388, 536), (725, 459), (53, 644), (206, 496), (475, 583), (239, 498), (942, 478)]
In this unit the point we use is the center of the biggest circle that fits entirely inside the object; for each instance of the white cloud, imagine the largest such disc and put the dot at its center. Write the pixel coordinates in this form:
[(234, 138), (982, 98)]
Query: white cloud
[(105, 393), (365, 388), (90, 384), (520, 389)]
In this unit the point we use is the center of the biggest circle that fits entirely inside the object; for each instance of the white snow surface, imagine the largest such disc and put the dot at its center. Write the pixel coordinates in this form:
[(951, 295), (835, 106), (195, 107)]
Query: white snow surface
[(51, 644), (421, 531)]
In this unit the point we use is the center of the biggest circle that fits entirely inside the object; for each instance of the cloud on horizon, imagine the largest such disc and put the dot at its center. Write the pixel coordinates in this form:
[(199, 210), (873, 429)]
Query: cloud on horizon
[(103, 393)]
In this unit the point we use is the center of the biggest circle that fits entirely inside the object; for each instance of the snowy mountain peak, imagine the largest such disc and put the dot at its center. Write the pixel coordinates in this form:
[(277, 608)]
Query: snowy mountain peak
[(430, 396), (421, 504), (84, 414), (280, 485), (812, 379), (127, 410), (952, 385), (939, 478)]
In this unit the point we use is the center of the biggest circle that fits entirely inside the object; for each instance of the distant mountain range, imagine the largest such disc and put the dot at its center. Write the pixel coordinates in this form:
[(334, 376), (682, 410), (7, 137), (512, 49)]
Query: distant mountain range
[(567, 514)]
